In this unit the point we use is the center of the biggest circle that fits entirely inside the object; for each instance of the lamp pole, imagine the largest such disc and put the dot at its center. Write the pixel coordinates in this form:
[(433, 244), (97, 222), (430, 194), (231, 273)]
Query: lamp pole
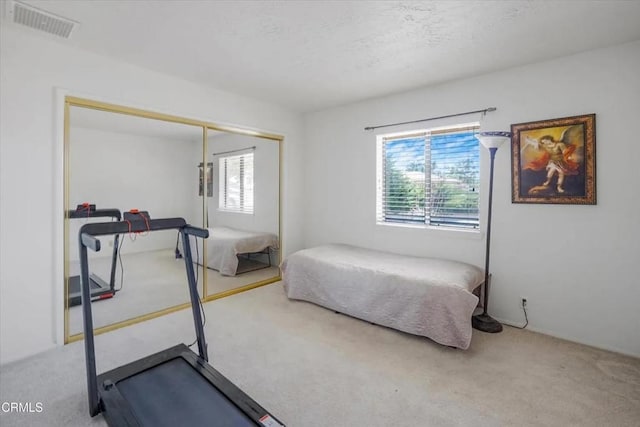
[(484, 322)]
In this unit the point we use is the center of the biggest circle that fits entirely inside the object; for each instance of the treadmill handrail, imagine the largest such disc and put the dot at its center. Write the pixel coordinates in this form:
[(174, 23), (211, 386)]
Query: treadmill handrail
[(124, 227), (87, 239), (98, 213), (90, 241), (196, 231)]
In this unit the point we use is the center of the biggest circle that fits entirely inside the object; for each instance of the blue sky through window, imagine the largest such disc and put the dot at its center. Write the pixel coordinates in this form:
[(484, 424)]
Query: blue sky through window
[(404, 152)]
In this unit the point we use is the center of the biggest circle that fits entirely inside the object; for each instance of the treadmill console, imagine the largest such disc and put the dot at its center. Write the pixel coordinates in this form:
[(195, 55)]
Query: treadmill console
[(86, 208)]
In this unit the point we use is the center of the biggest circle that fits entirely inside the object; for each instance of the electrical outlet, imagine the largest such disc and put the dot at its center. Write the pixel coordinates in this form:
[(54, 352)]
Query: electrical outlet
[(524, 302)]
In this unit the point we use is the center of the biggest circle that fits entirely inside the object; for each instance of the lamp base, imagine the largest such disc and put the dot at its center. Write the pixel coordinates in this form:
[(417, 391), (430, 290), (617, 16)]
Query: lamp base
[(486, 323)]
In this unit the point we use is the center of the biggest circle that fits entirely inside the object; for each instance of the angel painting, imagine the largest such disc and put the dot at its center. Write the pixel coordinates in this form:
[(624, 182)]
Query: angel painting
[(558, 158), (553, 164)]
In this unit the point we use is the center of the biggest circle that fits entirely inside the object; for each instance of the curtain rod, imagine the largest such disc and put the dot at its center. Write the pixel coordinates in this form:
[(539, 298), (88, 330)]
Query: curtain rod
[(485, 111), (234, 151)]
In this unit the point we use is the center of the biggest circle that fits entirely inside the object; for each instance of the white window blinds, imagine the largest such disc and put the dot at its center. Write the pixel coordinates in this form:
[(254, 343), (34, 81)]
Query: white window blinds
[(236, 183), (429, 177)]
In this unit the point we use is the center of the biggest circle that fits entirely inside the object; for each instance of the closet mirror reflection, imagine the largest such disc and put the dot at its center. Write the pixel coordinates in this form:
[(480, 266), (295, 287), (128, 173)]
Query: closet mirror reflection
[(120, 162), (224, 179), (243, 211)]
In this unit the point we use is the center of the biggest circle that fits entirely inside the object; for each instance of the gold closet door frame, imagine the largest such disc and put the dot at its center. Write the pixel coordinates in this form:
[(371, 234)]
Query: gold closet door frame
[(72, 101)]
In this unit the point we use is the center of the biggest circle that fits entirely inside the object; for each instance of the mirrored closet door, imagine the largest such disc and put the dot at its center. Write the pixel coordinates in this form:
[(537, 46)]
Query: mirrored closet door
[(221, 178), (119, 162)]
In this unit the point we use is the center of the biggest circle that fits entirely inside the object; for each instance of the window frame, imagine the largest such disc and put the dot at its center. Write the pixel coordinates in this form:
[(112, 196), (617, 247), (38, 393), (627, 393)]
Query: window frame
[(473, 223), (223, 186)]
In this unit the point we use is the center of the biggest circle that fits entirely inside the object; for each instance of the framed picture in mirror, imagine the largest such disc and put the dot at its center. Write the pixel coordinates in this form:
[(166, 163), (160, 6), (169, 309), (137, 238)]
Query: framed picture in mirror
[(209, 179)]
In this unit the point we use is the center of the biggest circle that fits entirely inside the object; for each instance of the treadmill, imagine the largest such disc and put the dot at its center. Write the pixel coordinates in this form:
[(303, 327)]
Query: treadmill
[(99, 288), (175, 387)]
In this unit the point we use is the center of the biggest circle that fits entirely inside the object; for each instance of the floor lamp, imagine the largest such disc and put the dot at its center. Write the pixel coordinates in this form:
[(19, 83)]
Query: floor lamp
[(484, 322)]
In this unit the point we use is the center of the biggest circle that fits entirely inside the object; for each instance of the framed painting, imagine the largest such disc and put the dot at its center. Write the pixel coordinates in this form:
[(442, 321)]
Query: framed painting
[(553, 161), (209, 179)]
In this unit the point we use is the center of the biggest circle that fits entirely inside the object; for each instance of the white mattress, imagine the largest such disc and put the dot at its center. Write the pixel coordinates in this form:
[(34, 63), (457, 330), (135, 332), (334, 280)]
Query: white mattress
[(423, 296), (225, 243)]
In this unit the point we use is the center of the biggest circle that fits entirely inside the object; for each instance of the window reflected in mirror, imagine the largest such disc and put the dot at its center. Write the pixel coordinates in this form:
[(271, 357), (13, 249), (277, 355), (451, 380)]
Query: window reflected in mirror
[(243, 212)]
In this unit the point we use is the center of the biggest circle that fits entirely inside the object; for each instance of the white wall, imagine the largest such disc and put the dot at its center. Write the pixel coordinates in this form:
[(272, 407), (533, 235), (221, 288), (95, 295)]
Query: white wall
[(576, 265), (126, 171), (265, 177), (32, 67)]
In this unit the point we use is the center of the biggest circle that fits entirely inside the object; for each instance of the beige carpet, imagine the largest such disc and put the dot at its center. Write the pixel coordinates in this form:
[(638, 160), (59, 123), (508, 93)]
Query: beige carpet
[(312, 367), (153, 281)]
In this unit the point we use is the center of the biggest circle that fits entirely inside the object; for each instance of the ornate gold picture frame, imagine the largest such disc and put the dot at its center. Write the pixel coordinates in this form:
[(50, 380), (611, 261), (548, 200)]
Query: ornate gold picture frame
[(553, 161)]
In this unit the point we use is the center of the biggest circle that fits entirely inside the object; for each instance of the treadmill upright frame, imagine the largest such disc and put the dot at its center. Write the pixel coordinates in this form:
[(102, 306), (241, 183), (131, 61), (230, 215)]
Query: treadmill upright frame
[(103, 393), (101, 289)]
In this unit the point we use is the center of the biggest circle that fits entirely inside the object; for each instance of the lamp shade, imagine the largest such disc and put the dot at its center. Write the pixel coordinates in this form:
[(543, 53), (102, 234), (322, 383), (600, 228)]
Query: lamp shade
[(493, 139)]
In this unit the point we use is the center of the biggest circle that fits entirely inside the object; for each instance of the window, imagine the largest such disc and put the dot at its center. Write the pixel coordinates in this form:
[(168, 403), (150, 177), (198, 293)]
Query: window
[(236, 183), (429, 177)]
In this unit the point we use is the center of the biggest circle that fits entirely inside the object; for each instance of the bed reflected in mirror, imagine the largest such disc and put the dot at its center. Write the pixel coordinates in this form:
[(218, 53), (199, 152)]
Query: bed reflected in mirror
[(243, 211)]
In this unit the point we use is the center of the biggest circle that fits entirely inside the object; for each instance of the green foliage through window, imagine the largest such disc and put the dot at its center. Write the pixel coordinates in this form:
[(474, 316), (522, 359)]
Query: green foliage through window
[(430, 178)]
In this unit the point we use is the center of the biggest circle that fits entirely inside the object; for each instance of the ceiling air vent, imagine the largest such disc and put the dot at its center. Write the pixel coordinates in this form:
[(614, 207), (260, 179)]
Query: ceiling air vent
[(41, 20)]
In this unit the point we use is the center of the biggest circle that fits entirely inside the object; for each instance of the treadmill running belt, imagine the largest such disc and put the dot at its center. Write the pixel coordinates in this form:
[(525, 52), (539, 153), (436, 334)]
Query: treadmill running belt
[(172, 394), (74, 284)]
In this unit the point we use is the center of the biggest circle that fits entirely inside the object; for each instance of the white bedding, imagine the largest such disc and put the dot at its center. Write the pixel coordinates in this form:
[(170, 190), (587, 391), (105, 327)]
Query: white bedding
[(225, 243), (423, 296)]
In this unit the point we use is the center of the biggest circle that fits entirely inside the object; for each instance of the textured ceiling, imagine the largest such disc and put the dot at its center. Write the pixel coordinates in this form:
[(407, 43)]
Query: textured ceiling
[(310, 55)]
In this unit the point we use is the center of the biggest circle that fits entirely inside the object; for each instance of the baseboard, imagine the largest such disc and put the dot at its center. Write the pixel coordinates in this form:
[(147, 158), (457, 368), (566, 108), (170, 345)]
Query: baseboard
[(568, 338)]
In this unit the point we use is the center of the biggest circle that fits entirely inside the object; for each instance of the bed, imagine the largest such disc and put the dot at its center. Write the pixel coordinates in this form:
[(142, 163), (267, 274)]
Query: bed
[(225, 244), (422, 296)]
